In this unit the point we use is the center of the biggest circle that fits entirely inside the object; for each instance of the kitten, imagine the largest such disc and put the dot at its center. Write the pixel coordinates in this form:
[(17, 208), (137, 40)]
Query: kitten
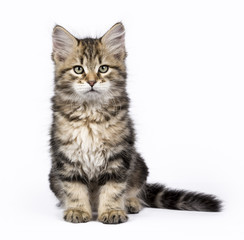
[(95, 166)]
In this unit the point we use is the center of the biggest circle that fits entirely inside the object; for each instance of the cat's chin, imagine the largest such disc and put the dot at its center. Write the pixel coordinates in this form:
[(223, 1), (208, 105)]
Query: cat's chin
[(94, 97), (92, 94)]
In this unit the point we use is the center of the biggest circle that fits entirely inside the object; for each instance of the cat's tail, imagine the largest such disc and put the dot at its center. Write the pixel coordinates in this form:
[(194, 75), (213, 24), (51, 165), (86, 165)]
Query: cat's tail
[(158, 196)]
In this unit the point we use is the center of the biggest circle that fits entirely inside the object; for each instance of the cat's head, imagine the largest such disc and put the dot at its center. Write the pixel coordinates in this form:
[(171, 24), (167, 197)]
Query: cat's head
[(89, 69)]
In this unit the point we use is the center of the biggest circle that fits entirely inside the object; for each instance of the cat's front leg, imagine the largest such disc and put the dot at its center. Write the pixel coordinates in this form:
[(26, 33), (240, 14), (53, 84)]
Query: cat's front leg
[(76, 201), (111, 207)]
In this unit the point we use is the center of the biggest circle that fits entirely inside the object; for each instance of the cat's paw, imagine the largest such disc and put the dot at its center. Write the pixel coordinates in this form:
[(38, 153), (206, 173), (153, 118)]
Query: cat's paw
[(76, 216), (133, 205), (113, 217)]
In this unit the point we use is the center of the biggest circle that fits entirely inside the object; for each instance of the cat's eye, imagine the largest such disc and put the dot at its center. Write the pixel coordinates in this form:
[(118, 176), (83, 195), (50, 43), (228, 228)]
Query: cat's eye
[(78, 69), (103, 69)]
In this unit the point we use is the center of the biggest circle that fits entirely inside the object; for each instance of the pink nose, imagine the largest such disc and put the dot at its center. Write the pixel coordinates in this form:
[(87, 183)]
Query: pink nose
[(91, 83)]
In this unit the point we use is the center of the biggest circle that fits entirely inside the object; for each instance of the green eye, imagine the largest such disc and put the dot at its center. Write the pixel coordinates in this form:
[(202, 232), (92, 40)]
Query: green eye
[(78, 69), (103, 69)]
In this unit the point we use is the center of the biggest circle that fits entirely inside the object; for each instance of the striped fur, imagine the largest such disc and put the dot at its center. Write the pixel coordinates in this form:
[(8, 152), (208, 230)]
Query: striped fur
[(95, 165), (158, 196)]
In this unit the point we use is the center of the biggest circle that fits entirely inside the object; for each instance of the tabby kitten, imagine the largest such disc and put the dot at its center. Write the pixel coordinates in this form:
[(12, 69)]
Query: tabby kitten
[(95, 166)]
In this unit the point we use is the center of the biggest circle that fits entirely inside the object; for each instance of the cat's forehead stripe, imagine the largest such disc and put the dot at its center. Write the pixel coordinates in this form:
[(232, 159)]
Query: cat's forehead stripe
[(90, 51), (89, 48)]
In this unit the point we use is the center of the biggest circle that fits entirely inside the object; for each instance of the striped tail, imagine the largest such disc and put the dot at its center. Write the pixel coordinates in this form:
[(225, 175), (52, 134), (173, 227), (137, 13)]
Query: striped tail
[(158, 196)]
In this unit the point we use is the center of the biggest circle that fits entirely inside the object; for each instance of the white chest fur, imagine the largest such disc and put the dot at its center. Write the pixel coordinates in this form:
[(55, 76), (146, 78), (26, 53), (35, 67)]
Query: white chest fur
[(86, 144)]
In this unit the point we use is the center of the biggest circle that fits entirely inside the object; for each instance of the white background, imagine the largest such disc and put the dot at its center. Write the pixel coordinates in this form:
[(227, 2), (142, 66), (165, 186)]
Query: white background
[(186, 83)]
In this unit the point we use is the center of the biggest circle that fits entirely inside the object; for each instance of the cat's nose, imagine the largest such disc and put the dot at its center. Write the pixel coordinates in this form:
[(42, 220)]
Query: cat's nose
[(91, 82)]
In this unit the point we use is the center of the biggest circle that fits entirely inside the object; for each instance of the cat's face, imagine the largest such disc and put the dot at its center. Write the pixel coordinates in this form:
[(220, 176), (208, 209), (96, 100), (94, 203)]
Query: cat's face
[(89, 69)]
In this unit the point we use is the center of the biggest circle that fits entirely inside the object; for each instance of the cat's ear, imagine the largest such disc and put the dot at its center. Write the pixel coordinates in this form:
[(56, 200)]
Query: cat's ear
[(63, 43), (114, 39)]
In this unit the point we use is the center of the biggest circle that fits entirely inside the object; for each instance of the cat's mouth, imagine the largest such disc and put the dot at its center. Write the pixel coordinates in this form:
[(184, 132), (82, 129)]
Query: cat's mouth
[(92, 90)]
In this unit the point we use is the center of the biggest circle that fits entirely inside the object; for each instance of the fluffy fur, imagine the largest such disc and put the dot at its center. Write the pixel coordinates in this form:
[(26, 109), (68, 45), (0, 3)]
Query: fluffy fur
[(95, 165)]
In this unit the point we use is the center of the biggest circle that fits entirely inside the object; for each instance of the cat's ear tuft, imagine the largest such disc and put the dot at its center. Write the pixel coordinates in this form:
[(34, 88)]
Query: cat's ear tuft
[(114, 39), (63, 43)]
